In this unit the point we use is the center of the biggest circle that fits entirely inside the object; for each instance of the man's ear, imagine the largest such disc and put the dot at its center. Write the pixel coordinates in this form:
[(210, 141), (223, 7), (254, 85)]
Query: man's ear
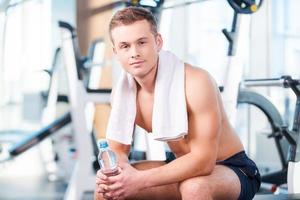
[(115, 52), (159, 41)]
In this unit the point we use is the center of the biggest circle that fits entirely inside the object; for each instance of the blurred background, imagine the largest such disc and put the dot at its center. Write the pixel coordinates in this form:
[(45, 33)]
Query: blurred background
[(29, 55)]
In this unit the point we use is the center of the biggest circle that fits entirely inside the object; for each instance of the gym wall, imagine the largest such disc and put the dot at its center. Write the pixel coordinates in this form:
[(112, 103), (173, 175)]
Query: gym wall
[(91, 25)]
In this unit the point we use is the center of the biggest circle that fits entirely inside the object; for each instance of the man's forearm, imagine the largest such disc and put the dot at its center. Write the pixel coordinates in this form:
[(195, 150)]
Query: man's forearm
[(122, 157), (178, 170), (121, 150)]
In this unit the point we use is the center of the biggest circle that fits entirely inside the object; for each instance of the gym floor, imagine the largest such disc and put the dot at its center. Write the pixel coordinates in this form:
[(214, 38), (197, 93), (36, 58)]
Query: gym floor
[(31, 188), (34, 188), (40, 188)]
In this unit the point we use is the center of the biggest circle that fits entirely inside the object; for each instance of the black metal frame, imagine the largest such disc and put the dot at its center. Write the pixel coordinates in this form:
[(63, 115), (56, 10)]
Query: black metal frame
[(286, 148), (284, 142), (36, 137)]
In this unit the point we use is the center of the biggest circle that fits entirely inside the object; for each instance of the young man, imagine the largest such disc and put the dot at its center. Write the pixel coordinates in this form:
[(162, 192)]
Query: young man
[(210, 162)]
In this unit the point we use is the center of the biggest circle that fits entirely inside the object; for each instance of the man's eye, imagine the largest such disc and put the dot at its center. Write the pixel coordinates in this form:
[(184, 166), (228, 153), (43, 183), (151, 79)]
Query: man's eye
[(124, 46), (142, 42)]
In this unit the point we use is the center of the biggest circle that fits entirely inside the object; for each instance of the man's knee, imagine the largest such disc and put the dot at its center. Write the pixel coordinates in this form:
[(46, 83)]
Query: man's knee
[(195, 188)]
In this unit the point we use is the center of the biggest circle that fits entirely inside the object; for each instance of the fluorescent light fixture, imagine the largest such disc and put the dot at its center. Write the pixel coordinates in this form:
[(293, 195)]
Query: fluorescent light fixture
[(149, 3)]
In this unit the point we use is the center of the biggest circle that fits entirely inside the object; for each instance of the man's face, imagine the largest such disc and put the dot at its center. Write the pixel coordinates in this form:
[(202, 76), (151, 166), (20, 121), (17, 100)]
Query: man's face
[(136, 47)]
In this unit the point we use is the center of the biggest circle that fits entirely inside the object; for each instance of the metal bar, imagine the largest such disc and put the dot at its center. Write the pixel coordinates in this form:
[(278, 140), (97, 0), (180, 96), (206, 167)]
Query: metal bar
[(264, 82), (37, 137)]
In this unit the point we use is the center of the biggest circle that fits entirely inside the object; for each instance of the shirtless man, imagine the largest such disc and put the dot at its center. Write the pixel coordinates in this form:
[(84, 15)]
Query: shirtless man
[(210, 162)]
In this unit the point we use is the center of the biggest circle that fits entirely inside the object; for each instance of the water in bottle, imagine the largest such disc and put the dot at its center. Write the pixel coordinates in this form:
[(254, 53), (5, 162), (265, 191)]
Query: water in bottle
[(107, 159)]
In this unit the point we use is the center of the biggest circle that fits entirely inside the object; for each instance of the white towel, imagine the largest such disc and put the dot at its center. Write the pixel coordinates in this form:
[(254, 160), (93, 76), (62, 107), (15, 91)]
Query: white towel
[(169, 120)]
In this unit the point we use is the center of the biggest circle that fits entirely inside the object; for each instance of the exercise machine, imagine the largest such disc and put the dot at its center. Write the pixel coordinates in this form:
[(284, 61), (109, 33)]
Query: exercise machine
[(290, 174), (285, 139), (50, 123), (234, 71), (235, 94), (83, 175)]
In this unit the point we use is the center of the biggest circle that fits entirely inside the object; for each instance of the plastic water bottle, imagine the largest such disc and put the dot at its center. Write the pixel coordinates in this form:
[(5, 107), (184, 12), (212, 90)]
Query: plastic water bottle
[(107, 159)]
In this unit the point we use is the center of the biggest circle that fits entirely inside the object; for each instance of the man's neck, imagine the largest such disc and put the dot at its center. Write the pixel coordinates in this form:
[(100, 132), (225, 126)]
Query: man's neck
[(147, 82)]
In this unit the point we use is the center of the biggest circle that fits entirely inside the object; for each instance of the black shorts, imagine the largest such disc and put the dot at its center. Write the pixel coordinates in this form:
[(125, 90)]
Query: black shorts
[(247, 172), (244, 168)]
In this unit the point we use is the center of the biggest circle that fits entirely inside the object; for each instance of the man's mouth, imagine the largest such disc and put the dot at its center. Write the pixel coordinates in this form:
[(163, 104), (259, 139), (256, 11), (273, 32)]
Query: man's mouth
[(137, 62)]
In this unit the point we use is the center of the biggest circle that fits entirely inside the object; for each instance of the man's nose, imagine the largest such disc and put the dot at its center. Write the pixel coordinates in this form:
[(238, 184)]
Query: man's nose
[(134, 52)]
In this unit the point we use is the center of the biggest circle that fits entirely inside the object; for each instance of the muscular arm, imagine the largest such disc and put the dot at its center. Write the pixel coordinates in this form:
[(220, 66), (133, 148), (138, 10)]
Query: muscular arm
[(204, 122), (121, 150)]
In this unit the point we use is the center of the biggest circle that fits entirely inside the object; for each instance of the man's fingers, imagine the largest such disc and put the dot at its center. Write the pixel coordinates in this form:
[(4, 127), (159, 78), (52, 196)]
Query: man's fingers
[(114, 179), (119, 169), (108, 195), (114, 186), (102, 188), (117, 194), (101, 181), (101, 175)]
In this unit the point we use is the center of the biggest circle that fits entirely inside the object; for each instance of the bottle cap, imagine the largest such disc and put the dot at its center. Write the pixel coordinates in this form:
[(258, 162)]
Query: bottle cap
[(102, 143)]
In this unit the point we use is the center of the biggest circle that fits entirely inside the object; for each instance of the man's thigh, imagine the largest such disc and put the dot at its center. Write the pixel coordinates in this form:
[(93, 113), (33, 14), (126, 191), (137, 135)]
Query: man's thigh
[(165, 192), (222, 183)]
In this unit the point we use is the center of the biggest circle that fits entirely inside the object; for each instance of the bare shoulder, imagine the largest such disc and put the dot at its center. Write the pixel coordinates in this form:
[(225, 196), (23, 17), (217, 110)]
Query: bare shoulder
[(196, 75), (201, 89)]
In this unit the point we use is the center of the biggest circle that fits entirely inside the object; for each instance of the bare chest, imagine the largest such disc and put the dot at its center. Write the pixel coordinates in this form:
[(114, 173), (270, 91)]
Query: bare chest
[(144, 110)]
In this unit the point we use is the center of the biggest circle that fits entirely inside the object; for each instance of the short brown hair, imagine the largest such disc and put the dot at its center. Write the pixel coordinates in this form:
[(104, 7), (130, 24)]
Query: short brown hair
[(130, 15)]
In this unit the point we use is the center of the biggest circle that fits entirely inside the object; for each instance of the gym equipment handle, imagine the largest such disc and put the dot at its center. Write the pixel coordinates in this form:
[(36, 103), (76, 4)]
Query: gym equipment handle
[(264, 82)]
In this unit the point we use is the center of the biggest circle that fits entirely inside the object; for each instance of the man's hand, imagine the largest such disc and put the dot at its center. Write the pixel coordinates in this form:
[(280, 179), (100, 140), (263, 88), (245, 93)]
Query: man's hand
[(126, 184), (101, 184)]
